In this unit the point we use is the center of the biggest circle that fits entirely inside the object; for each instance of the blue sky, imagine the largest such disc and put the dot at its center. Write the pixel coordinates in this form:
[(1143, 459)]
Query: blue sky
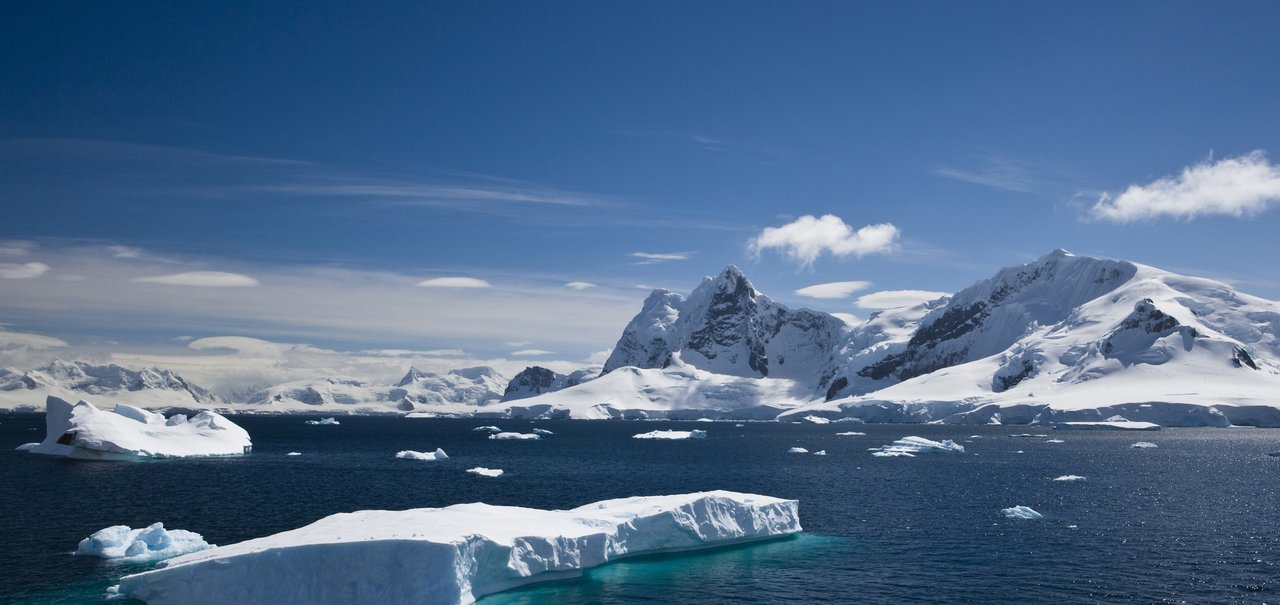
[(340, 152)]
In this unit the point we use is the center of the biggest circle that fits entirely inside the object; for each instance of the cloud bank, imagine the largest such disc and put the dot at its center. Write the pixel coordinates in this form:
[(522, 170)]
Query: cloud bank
[(891, 299), (839, 289), (1239, 186), (806, 238)]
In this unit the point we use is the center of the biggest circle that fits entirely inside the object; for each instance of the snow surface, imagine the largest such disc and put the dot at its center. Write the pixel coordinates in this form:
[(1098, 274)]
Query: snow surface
[(455, 554), (151, 543), (515, 436), (426, 456), (73, 380), (1069, 478), (670, 435), (324, 422), (83, 431), (485, 472), (1021, 512), (910, 446)]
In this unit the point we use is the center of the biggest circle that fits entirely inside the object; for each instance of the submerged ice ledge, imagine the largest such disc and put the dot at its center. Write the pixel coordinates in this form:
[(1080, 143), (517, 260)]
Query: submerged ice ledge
[(455, 554)]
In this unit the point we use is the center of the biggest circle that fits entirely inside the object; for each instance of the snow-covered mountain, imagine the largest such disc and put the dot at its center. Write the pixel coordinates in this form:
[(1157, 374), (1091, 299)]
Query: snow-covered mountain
[(726, 326), (536, 380), (73, 380), (418, 390)]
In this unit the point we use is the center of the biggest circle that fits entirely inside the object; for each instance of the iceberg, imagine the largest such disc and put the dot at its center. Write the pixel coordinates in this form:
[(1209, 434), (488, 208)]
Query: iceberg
[(1021, 512), (910, 446), (516, 436), (324, 422), (1107, 425), (455, 554), (850, 434), (1055, 441), (1144, 445), (543, 432), (294, 454), (427, 456), (820, 453), (485, 472), (83, 431), (151, 543), (797, 450), (486, 429), (816, 419), (672, 435), (1069, 478)]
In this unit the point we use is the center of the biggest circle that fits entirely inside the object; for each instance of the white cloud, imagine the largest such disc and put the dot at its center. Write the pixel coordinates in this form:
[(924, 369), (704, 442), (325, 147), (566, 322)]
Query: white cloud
[(890, 299), (649, 258), (1239, 186), (531, 352), (414, 353), (515, 344), (26, 350), (579, 285), (22, 271), (125, 251), (200, 279), (454, 282), (599, 357), (804, 239), (849, 319), (16, 247), (839, 289)]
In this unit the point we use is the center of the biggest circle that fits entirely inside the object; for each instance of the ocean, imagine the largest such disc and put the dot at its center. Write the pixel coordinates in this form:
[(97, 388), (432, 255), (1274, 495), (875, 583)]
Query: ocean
[(1191, 521)]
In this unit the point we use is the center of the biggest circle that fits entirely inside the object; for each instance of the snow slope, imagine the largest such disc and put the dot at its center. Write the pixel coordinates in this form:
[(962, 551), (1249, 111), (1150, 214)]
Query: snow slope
[(454, 554), (148, 387), (536, 380), (418, 390), (85, 432)]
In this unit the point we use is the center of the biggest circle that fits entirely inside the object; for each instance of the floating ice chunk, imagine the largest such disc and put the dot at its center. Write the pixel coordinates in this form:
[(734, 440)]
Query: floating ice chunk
[(820, 453), (816, 419), (1020, 512), (1029, 435), (1055, 441), (1108, 425), (975, 436), (455, 554), (886, 454), (151, 543), (485, 472), (704, 420), (486, 429), (427, 456), (739, 425), (324, 422), (850, 434), (542, 432), (797, 450), (916, 445), (1069, 478), (83, 431), (672, 435), (1144, 445), (515, 436), (850, 420), (294, 454)]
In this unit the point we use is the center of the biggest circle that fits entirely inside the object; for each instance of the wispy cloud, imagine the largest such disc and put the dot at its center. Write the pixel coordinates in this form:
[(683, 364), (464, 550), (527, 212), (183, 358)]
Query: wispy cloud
[(454, 282), (807, 237), (414, 352), (649, 258), (16, 247), (997, 173), (890, 299), (839, 289), (579, 285), (200, 279), (125, 251), (531, 353), (23, 270), (848, 318), (1240, 186)]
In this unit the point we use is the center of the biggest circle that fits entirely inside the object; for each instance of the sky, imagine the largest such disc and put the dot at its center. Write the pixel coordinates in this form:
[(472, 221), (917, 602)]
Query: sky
[(341, 187)]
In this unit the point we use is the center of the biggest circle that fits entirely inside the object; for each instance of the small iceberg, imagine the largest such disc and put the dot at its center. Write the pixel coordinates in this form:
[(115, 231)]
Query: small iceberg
[(1055, 441), (485, 472), (910, 446), (816, 420), (1069, 478), (151, 543), (456, 554), (514, 436), (671, 435), (1020, 512), (427, 456), (324, 422), (1028, 435), (1144, 445), (850, 434), (797, 450), (1114, 423), (82, 431), (294, 454), (543, 432), (820, 453), (486, 429)]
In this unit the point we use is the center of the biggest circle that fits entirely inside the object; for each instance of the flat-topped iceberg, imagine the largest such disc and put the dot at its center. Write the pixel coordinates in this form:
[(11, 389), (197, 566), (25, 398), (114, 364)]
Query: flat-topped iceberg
[(695, 434), (485, 472), (151, 543), (1142, 445), (1069, 478), (910, 446), (85, 432), (486, 429), (324, 422), (455, 554), (797, 450), (515, 436), (427, 456)]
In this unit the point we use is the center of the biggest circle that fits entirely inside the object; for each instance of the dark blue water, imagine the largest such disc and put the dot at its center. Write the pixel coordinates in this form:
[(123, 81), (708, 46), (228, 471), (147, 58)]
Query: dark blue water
[(1196, 520)]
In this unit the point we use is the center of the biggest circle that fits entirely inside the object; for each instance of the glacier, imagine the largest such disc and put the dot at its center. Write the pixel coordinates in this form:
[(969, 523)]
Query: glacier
[(83, 431), (455, 554), (151, 543)]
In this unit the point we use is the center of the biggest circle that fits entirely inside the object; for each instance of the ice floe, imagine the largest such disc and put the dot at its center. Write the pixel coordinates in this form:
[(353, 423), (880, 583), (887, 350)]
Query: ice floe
[(83, 431), (294, 454), (1069, 478), (695, 434), (151, 543), (427, 456), (455, 554), (324, 422), (910, 446), (1020, 512), (850, 434), (797, 450), (486, 429), (1107, 425), (1144, 445), (543, 432), (514, 436), (485, 472), (820, 453)]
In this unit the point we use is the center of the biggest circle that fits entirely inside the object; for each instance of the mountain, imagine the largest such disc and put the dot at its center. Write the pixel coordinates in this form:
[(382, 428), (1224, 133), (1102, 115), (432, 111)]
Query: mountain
[(536, 380), (148, 387), (728, 327), (463, 388)]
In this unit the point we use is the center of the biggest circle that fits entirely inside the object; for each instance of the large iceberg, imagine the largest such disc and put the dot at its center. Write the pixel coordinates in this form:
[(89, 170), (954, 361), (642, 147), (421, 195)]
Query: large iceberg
[(515, 436), (83, 431), (910, 446), (151, 543), (427, 456), (669, 435), (455, 554)]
